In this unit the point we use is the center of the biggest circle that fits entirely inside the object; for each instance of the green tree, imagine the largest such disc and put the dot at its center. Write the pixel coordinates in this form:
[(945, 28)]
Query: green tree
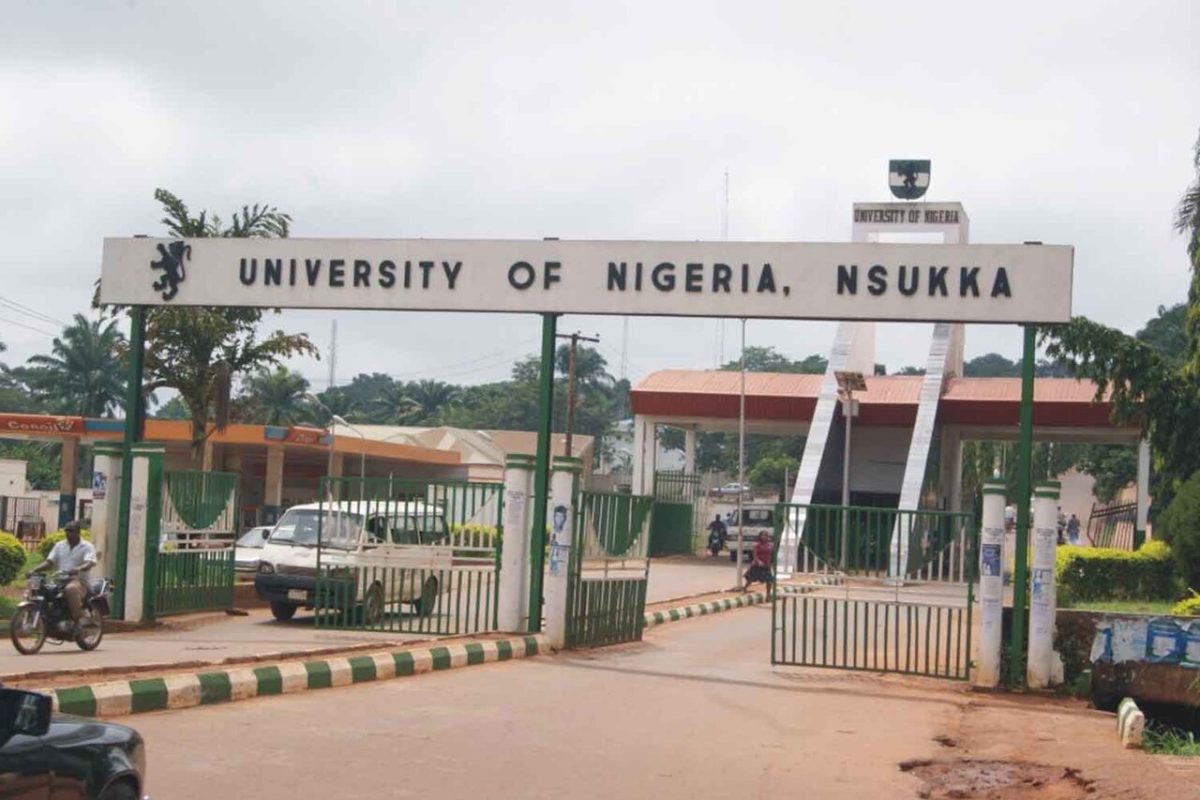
[(277, 397), (198, 352), (1148, 386), (83, 373), (991, 365), (174, 408), (768, 359), (773, 471), (393, 406), (432, 399), (41, 459)]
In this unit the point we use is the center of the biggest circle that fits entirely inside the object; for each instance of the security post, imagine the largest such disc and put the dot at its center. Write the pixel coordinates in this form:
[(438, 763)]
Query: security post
[(513, 608), (106, 502), (1042, 600), (563, 479), (991, 585)]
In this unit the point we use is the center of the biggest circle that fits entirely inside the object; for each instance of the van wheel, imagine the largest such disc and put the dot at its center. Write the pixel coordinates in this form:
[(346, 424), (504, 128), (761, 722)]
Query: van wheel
[(733, 556), (282, 611), (424, 604), (372, 609)]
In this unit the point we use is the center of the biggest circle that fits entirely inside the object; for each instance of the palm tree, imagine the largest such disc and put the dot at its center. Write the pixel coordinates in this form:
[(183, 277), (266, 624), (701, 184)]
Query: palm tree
[(1187, 221), (393, 406), (277, 397), (432, 399), (83, 373)]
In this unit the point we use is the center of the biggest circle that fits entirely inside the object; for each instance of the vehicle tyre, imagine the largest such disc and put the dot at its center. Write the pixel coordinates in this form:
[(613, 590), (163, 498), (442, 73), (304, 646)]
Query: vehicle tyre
[(91, 632), (715, 549), (282, 611), (27, 636), (372, 608), (733, 556), (121, 790), (424, 604)]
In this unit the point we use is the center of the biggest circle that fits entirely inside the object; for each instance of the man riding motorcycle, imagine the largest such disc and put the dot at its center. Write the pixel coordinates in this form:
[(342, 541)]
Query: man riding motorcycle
[(74, 556)]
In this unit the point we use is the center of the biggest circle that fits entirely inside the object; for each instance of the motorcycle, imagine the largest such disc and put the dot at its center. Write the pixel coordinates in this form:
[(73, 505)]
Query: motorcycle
[(716, 541), (44, 614)]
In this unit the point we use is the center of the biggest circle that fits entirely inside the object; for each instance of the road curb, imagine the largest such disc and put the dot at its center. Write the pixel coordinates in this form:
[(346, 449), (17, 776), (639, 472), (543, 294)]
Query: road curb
[(190, 689), (653, 618)]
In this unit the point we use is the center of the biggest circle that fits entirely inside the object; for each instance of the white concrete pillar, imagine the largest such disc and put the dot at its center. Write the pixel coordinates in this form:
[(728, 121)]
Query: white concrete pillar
[(644, 446), (991, 585), (145, 513), (273, 491), (1042, 599), (1143, 490), (106, 505), (564, 477), (689, 451), (513, 604)]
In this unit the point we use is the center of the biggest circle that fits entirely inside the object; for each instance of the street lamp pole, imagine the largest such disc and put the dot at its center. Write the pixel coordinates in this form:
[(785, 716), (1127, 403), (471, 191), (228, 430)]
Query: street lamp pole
[(848, 383), (362, 461)]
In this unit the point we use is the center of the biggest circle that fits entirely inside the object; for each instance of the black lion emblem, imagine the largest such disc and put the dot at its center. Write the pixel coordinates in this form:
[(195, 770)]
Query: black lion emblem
[(171, 264)]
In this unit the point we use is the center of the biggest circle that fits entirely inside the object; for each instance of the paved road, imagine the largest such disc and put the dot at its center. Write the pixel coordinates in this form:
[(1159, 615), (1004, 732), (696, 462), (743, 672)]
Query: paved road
[(694, 711), (258, 633)]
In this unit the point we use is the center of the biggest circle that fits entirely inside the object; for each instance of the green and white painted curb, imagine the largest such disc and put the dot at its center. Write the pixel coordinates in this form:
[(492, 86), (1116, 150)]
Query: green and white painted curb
[(1131, 722), (186, 690), (653, 618)]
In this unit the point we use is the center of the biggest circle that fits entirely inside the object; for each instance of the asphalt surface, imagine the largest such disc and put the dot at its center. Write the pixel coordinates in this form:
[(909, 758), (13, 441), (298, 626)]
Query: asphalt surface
[(694, 711), (258, 634)]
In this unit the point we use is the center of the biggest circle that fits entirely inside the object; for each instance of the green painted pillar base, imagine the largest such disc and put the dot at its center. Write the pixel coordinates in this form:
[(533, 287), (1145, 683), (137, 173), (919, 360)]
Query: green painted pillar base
[(1139, 539)]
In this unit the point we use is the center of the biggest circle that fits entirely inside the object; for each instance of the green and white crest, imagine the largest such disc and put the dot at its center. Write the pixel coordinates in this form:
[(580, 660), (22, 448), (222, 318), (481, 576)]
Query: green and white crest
[(908, 179)]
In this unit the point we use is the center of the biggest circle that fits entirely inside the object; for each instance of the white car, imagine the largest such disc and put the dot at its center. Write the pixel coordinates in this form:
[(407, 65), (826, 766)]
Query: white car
[(249, 547), (378, 547), (755, 520), (731, 489)]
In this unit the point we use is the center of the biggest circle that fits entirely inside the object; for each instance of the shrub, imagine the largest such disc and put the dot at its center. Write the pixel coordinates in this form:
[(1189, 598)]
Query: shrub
[(1188, 606), (1179, 526), (1101, 573), (12, 558), (51, 539)]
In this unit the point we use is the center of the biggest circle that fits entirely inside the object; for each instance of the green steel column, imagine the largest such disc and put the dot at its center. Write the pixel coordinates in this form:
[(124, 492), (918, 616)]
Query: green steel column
[(541, 472), (134, 417), (1016, 662)]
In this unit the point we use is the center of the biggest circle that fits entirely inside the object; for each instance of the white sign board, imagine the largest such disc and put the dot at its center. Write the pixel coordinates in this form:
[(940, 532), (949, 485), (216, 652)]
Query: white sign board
[(911, 282)]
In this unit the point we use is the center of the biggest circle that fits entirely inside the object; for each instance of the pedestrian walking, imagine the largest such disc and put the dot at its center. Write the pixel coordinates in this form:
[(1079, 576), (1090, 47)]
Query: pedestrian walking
[(760, 566), (1073, 530)]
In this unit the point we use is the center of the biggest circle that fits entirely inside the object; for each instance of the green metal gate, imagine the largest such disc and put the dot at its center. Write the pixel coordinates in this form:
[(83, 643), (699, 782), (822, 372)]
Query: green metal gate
[(193, 568), (408, 556), (674, 528), (904, 599), (606, 582)]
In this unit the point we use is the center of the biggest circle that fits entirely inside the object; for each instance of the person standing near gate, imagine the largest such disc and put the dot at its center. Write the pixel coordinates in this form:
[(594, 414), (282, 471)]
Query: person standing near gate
[(760, 566), (1073, 530)]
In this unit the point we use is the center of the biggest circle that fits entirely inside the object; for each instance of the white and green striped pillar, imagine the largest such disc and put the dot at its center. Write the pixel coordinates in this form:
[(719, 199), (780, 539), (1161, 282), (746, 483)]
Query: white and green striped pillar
[(1042, 594), (106, 505), (513, 610), (145, 514), (991, 585), (564, 476)]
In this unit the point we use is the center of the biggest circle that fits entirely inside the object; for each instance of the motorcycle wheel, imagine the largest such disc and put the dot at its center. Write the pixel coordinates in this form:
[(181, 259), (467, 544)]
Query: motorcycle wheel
[(715, 549), (27, 635), (91, 631)]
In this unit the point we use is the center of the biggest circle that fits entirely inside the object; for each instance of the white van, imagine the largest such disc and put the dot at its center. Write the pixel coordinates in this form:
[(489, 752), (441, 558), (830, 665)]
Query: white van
[(378, 546)]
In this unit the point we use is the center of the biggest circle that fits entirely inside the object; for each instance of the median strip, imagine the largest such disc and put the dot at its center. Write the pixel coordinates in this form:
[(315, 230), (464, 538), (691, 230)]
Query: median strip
[(186, 690), (653, 618)]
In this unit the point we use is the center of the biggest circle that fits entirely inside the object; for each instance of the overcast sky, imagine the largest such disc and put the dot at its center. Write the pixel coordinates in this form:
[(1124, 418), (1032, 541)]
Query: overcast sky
[(1065, 122)]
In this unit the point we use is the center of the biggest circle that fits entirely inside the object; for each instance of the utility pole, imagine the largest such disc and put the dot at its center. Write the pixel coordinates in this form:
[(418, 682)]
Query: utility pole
[(575, 338)]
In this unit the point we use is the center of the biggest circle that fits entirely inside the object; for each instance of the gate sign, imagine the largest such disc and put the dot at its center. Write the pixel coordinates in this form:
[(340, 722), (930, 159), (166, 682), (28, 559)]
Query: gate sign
[(903, 282)]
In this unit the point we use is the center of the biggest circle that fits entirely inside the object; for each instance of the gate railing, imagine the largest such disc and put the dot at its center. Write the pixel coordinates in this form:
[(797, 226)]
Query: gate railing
[(1112, 525), (606, 586), (194, 566), (408, 556), (940, 544)]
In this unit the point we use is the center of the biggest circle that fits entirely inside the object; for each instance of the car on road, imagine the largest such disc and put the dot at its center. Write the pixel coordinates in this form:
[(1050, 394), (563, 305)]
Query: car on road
[(249, 547), (744, 531), (373, 555), (731, 490), (48, 755)]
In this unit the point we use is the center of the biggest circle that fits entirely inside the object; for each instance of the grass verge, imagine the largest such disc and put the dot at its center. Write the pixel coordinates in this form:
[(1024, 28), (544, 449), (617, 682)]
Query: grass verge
[(1126, 606), (1166, 740)]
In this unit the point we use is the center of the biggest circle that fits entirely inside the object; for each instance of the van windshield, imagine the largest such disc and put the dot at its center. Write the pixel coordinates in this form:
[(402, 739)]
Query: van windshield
[(302, 527), (758, 517)]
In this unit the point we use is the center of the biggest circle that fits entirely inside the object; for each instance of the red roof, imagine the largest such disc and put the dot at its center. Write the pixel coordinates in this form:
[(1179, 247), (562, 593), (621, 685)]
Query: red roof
[(888, 400)]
